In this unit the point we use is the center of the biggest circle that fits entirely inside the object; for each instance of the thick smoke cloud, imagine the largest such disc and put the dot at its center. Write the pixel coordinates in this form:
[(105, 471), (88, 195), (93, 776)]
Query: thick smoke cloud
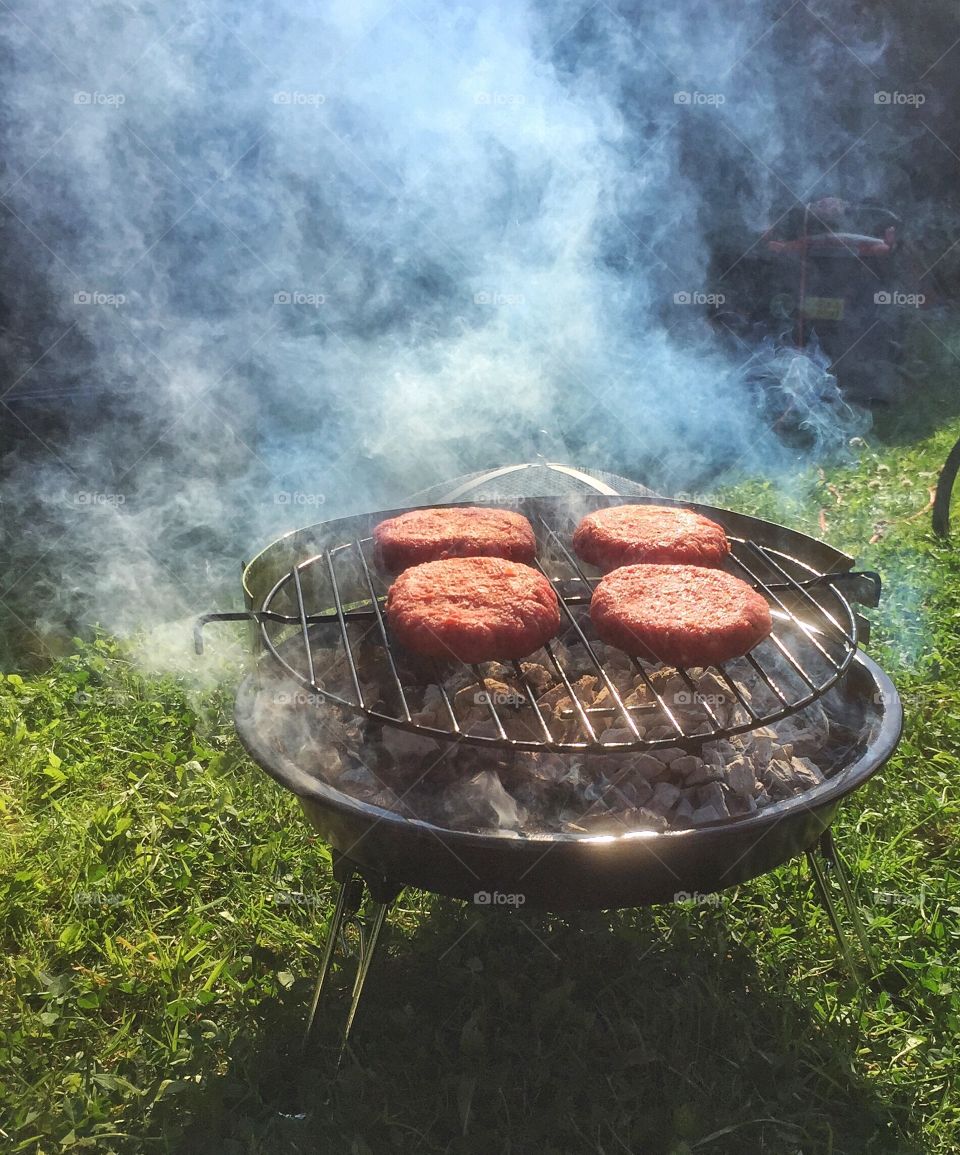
[(268, 264)]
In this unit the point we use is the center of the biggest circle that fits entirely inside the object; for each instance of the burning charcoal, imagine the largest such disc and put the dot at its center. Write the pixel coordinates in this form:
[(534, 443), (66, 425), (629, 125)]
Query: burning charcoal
[(387, 800), (480, 802), (537, 675), (586, 687), (480, 697), (706, 814), (639, 695), (322, 759), (604, 699), (645, 819), (484, 728), (472, 719), (596, 790), (760, 747), (686, 764), (665, 795), (706, 772), (807, 772), (642, 791), (740, 776), (668, 755), (807, 730), (556, 697), (713, 757), (712, 795), (359, 781), (401, 743), (647, 765), (617, 735), (624, 796), (740, 804), (683, 813), (434, 707), (459, 677), (710, 684), (550, 768), (780, 780)]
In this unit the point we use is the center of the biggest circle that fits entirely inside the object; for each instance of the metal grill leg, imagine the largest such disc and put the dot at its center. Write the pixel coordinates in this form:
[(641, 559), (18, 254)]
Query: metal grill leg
[(348, 902), (829, 851), (354, 884), (368, 947)]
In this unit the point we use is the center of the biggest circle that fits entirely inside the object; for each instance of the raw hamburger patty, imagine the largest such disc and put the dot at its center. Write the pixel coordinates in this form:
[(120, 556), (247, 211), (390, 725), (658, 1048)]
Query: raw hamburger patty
[(430, 534), (621, 534), (682, 615), (477, 609)]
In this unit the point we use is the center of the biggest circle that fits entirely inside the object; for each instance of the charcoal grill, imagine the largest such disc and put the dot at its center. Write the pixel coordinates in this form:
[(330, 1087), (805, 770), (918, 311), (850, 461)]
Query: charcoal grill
[(315, 605)]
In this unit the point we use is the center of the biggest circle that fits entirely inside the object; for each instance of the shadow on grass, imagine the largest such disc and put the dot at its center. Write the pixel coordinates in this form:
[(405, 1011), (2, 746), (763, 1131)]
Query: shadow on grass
[(495, 1032)]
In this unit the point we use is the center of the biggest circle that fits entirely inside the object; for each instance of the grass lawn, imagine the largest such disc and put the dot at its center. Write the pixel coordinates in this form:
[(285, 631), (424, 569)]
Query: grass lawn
[(163, 906)]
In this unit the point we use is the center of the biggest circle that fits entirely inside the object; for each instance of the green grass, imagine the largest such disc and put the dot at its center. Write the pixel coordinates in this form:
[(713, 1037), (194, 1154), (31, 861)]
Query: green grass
[(163, 905)]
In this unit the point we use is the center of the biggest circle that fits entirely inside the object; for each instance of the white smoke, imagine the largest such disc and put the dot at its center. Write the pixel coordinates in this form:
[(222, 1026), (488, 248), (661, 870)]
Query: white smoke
[(281, 263)]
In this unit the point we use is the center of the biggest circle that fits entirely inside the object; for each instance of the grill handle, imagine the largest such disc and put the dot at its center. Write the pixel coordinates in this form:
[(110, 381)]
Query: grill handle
[(247, 616), (260, 616)]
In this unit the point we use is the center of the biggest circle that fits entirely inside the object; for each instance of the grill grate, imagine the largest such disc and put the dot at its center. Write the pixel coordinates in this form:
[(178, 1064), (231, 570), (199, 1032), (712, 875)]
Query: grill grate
[(323, 623)]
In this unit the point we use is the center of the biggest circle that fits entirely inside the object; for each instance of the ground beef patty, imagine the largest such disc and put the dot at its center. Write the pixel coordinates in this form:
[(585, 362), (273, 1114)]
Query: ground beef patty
[(622, 534), (477, 609), (682, 615), (430, 534)]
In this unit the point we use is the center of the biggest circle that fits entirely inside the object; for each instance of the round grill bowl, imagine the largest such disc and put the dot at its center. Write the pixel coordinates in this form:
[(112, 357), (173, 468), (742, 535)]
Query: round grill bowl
[(572, 872)]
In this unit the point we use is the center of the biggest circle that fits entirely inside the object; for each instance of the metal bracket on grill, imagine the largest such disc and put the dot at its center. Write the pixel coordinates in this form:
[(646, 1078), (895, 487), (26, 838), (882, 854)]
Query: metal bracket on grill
[(861, 586)]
